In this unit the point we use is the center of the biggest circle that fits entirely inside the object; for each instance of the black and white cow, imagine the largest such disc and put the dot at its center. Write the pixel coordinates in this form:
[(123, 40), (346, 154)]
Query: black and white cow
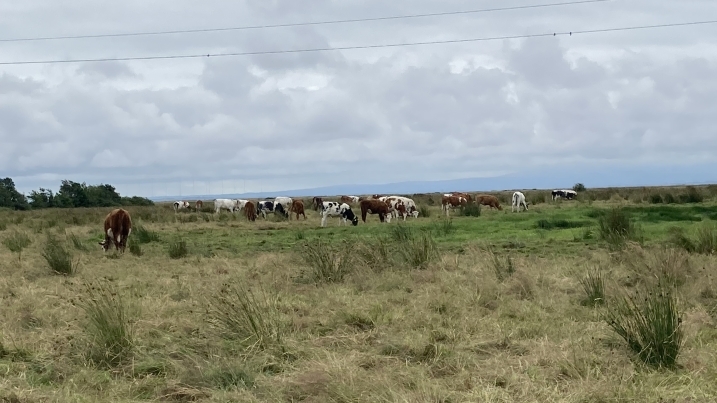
[(565, 194), (265, 207), (283, 203), (336, 209)]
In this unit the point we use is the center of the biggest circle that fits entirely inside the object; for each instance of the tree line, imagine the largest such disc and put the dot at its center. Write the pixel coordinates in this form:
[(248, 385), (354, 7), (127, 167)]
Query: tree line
[(71, 194)]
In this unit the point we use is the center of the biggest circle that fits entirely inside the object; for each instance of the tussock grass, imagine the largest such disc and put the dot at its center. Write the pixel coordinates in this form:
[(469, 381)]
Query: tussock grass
[(77, 243), (424, 211), (135, 248), (559, 223), (16, 242), (419, 251), (616, 227), (401, 233), (327, 263), (705, 241), (177, 250), (251, 318), (593, 283), (58, 258), (650, 323), (3, 225), (143, 235), (445, 227), (470, 210), (376, 254), (108, 327), (502, 267)]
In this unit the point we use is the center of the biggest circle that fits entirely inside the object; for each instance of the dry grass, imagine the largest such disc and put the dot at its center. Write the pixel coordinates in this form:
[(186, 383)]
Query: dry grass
[(456, 330)]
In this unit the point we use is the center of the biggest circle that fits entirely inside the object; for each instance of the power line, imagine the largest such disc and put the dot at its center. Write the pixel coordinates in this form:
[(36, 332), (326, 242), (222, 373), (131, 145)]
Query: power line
[(396, 17), (390, 45)]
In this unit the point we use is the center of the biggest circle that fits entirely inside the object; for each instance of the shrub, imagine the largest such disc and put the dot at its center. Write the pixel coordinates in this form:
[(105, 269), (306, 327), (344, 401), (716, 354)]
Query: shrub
[(650, 324), (58, 258), (242, 315), (579, 187), (655, 198), (108, 327), (594, 286), (327, 264), (691, 196), (424, 211), (16, 242), (470, 210), (669, 198), (178, 250)]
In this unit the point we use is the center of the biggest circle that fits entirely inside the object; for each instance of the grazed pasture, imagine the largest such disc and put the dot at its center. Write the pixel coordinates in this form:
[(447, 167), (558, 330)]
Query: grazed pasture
[(480, 309)]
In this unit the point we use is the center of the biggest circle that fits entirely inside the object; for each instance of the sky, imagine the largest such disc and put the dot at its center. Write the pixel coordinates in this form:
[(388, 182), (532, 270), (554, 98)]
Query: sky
[(631, 99)]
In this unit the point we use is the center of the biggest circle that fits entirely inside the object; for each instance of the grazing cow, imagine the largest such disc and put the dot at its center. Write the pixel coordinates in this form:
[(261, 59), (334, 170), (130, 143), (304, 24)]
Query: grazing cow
[(377, 196), (240, 203), (349, 199), (403, 206), (466, 196), (118, 226), (178, 205), (297, 206), (317, 203), (227, 204), (250, 211), (198, 205), (374, 206), (565, 194), (451, 202), (285, 203), (518, 200), (264, 207), (489, 200), (337, 209)]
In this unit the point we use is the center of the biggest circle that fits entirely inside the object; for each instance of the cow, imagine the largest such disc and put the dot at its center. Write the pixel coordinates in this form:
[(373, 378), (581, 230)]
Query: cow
[(227, 204), (403, 206), (264, 207), (297, 206), (198, 205), (376, 196), (565, 194), (337, 209), (178, 205), (285, 203), (250, 211), (240, 203), (374, 206), (118, 226), (518, 200), (349, 199), (466, 196), (451, 202), (317, 203), (489, 200)]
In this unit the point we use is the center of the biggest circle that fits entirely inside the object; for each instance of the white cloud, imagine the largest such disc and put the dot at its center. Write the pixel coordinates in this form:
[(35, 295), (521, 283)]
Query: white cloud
[(374, 115)]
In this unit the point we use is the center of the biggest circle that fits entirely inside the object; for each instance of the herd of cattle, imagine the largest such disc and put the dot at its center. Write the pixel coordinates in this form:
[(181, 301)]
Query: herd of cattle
[(118, 224)]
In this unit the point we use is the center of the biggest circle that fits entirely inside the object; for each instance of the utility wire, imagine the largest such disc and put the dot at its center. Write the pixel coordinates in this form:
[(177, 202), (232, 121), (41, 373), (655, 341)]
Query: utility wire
[(390, 45), (396, 17)]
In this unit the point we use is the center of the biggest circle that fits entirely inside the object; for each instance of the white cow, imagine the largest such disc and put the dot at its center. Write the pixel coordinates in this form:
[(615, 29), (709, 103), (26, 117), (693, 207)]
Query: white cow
[(518, 200), (178, 205), (240, 204), (335, 209), (285, 203), (227, 204)]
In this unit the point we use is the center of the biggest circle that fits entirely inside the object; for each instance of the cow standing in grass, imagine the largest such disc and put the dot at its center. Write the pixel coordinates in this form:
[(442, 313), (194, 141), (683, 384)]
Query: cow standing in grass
[(226, 204), (451, 202), (564, 194), (466, 196), (297, 207), (518, 200), (374, 206), (336, 209), (489, 200), (118, 226), (179, 205), (349, 199), (317, 203), (198, 205), (250, 211), (283, 206)]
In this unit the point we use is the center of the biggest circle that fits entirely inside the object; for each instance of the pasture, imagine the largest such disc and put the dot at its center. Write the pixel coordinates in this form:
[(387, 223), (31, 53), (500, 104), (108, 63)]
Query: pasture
[(500, 307)]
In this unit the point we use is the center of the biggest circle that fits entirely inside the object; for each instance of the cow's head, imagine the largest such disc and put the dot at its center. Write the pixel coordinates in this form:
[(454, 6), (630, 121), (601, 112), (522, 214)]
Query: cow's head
[(354, 221), (105, 245)]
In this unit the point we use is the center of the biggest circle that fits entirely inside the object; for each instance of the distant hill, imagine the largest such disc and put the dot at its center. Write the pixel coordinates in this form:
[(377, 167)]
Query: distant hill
[(553, 178)]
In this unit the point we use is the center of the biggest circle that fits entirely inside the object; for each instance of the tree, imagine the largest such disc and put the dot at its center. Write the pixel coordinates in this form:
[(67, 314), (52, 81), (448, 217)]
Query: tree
[(72, 194), (10, 197), (579, 187), (42, 199)]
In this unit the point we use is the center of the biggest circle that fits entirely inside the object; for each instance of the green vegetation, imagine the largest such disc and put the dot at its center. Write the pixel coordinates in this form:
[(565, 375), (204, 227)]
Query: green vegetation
[(532, 306)]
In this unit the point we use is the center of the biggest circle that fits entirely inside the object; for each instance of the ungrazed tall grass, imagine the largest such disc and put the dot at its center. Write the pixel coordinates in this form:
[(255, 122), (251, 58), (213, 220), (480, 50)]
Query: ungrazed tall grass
[(503, 268), (650, 323), (401, 233), (375, 253), (177, 250), (143, 235), (424, 211), (135, 249), (328, 264), (241, 314), (616, 227), (593, 283), (470, 210), (17, 242), (419, 251), (77, 243), (445, 227), (58, 258), (110, 332)]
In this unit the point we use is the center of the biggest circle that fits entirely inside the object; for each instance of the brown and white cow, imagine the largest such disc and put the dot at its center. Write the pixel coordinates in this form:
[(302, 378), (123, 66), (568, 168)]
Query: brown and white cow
[(317, 203), (118, 226), (451, 202), (466, 196), (198, 205), (373, 206), (178, 205), (489, 200), (349, 199), (297, 206)]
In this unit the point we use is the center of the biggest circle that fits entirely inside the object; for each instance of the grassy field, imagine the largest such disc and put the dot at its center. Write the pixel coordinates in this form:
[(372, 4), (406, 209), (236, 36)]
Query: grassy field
[(502, 307)]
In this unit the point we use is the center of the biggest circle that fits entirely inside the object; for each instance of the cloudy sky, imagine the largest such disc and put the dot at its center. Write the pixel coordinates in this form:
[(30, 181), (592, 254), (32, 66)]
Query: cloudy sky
[(269, 122)]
